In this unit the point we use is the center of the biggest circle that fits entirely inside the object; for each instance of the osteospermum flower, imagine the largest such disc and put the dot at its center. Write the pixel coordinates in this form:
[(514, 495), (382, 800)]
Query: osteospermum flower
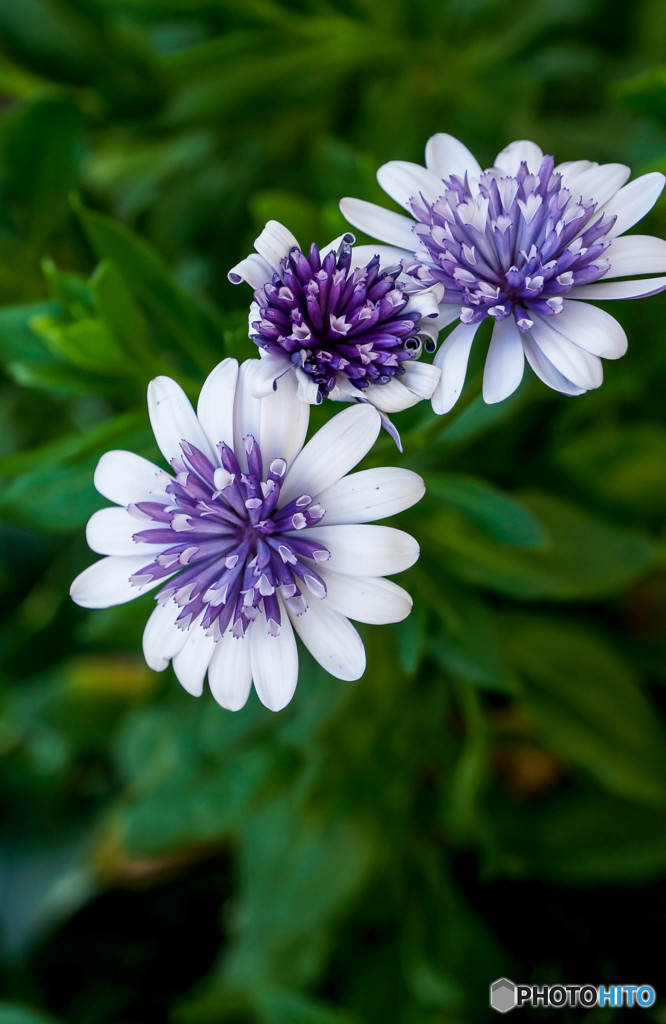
[(345, 327), (522, 244), (251, 536)]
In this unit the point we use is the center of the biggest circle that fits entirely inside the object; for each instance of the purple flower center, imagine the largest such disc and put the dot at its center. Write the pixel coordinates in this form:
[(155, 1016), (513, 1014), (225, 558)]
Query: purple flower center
[(329, 319), (515, 245), (234, 550)]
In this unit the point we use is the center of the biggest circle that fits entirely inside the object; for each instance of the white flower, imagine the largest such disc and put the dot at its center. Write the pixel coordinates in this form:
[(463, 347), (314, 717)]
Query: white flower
[(339, 322), (252, 536), (523, 244)]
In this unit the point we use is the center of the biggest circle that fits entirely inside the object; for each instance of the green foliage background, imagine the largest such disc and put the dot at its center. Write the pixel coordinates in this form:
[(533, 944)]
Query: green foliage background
[(491, 797)]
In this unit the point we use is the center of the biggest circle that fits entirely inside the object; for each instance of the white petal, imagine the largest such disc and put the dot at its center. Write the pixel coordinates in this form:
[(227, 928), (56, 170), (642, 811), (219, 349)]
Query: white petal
[(635, 254), (599, 183), (425, 302), (511, 157), (391, 397), (274, 662), (366, 598), (335, 449), (162, 639), (545, 370), (452, 358), (247, 409), (604, 290), (308, 390), (255, 271), (124, 477), (107, 583), (404, 181), (366, 550), (229, 673), (270, 367), (445, 156), (574, 363), (432, 325), (347, 238), (110, 532), (591, 328), (215, 407), (505, 362), (192, 661), (371, 494), (633, 201), (421, 378), (331, 640), (284, 421), (174, 420), (572, 169), (389, 255), (379, 223), (274, 243)]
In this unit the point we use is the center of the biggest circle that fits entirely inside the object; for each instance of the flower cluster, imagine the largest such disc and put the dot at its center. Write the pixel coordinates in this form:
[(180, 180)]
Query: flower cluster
[(256, 535)]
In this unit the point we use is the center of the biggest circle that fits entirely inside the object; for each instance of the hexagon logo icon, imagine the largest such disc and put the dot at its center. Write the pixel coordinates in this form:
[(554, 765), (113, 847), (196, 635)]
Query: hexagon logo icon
[(503, 995)]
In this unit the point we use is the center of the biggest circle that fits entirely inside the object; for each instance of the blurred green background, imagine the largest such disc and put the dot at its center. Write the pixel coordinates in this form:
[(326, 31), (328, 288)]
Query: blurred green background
[(490, 799)]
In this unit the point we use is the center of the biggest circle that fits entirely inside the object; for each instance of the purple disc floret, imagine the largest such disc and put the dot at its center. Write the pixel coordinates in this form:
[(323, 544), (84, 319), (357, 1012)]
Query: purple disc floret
[(514, 247), (231, 546), (330, 319)]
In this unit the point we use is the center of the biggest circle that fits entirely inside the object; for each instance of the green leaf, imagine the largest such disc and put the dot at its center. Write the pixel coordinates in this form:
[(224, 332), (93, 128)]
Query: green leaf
[(56, 500), (116, 306), (18, 342), (494, 512), (584, 557), (18, 1013), (587, 705), (87, 343), (173, 314)]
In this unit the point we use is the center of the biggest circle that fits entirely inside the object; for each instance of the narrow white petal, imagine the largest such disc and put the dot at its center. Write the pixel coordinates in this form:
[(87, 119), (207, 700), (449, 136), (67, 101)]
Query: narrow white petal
[(574, 363), (110, 532), (335, 449), (389, 255), (253, 270), (599, 183), (124, 477), (331, 640), (366, 550), (247, 409), (229, 673), (635, 254), (603, 290), (215, 408), (107, 582), (445, 156), (370, 599), (404, 181), (162, 639), (308, 390), (274, 243), (432, 325), (379, 223), (545, 370), (191, 662), (633, 201), (371, 494), (452, 358), (511, 157), (274, 662), (173, 419), (505, 362), (284, 421), (591, 328)]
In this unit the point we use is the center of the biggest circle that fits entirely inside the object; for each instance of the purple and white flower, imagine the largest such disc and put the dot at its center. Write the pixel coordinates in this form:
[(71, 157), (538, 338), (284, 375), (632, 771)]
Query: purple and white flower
[(345, 327), (523, 244), (252, 535)]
